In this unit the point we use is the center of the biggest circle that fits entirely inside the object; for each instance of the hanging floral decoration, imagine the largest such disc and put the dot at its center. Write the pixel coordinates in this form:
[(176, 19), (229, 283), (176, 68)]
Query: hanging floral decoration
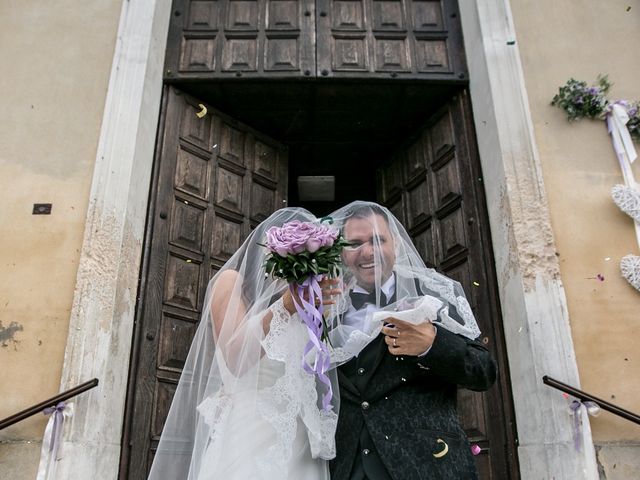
[(580, 100)]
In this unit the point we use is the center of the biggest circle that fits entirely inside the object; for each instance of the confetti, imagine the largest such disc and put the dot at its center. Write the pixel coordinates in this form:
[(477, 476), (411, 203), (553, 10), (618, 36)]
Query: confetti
[(607, 259), (476, 284), (475, 449), (565, 395), (188, 261), (202, 112)]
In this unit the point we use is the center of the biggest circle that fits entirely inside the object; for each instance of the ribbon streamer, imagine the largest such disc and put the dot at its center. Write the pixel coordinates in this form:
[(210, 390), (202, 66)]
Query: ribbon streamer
[(576, 408), (617, 119), (582, 436), (307, 293), (51, 441)]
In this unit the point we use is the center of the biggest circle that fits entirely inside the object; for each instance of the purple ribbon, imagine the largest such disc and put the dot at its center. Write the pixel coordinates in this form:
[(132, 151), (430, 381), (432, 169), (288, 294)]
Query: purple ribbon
[(577, 430), (58, 422), (312, 318), (592, 409)]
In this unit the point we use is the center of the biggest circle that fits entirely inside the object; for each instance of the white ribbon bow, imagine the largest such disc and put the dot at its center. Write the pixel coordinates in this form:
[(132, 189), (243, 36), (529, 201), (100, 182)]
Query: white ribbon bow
[(617, 119), (51, 452)]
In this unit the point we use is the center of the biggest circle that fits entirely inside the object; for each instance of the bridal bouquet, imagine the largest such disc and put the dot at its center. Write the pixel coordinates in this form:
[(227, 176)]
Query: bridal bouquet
[(299, 250), (303, 253)]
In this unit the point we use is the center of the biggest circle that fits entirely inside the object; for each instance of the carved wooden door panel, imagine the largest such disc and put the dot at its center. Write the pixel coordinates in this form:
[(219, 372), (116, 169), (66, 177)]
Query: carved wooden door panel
[(403, 39), (216, 39), (390, 39), (434, 185), (214, 180)]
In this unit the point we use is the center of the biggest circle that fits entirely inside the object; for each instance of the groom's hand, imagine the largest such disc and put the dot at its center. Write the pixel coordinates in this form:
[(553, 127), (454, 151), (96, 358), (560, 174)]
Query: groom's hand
[(404, 338)]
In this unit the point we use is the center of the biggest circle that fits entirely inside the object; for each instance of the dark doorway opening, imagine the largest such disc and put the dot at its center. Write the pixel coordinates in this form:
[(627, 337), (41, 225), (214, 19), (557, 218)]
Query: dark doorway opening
[(346, 129)]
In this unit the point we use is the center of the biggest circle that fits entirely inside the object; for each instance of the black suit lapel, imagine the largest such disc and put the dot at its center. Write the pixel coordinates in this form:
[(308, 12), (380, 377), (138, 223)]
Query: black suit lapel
[(372, 359), (346, 383)]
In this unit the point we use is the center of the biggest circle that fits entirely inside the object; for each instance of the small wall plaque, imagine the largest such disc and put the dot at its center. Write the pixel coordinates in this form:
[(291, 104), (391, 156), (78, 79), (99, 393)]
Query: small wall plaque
[(42, 209)]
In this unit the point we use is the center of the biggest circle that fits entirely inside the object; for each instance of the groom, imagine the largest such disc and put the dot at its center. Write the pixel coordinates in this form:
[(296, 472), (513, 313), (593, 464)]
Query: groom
[(398, 417)]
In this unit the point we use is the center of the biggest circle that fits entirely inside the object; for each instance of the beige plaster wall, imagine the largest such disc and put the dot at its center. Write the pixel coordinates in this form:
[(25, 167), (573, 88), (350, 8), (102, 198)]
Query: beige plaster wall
[(57, 60), (559, 39)]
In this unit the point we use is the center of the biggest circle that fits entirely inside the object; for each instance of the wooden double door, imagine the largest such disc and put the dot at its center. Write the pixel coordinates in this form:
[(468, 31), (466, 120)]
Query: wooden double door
[(216, 178)]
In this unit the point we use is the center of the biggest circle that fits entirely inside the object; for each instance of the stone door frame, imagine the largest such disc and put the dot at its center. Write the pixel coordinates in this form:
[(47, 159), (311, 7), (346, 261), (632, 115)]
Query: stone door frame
[(532, 298)]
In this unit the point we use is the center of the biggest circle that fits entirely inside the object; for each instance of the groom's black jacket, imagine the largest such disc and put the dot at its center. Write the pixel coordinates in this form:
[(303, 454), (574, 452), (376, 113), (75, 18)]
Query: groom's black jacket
[(396, 412)]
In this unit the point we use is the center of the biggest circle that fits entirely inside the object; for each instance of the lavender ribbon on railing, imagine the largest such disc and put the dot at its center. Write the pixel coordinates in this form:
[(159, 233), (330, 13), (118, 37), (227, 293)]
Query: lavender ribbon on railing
[(307, 293), (576, 408), (52, 439), (58, 422)]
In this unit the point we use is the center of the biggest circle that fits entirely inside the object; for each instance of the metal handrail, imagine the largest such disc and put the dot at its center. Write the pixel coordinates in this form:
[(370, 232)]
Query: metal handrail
[(584, 396), (50, 402)]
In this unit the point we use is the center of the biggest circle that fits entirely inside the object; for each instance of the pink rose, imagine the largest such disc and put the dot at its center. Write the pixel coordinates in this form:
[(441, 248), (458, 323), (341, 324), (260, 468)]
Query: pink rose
[(275, 242), (313, 244), (291, 238), (327, 235), (295, 237)]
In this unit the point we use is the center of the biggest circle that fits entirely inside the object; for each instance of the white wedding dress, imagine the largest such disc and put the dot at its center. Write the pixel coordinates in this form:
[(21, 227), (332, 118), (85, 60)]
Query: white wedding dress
[(274, 431)]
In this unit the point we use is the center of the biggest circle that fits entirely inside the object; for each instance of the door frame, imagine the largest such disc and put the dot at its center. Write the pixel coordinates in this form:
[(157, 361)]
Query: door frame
[(532, 297)]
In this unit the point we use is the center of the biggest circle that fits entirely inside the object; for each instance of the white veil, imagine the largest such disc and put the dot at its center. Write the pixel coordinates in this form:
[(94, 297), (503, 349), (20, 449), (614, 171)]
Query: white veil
[(243, 402), (243, 380), (415, 292)]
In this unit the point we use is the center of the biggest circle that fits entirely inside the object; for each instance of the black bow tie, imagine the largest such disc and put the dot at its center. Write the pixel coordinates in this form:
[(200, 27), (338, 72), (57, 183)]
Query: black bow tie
[(359, 299)]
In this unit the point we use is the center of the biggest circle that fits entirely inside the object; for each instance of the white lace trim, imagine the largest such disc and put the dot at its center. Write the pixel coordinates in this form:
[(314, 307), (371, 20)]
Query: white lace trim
[(215, 410), (356, 341), (469, 329), (292, 396), (273, 346)]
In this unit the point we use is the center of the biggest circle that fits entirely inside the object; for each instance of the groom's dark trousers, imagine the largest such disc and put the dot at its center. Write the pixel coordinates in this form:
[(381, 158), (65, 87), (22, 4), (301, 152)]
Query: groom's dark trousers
[(398, 418)]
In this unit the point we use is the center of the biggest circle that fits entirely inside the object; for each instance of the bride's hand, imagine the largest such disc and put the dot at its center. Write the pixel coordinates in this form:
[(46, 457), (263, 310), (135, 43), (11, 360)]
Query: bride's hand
[(328, 286)]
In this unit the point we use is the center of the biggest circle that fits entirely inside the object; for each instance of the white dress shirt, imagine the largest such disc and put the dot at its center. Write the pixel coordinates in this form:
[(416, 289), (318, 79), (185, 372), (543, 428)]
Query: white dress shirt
[(358, 318)]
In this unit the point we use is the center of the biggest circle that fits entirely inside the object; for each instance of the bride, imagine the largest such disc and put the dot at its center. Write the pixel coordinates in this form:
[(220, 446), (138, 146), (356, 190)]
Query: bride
[(244, 408)]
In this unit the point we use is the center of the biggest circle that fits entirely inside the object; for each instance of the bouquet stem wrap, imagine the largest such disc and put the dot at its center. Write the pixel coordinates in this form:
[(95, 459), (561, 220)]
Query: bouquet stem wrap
[(305, 295)]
